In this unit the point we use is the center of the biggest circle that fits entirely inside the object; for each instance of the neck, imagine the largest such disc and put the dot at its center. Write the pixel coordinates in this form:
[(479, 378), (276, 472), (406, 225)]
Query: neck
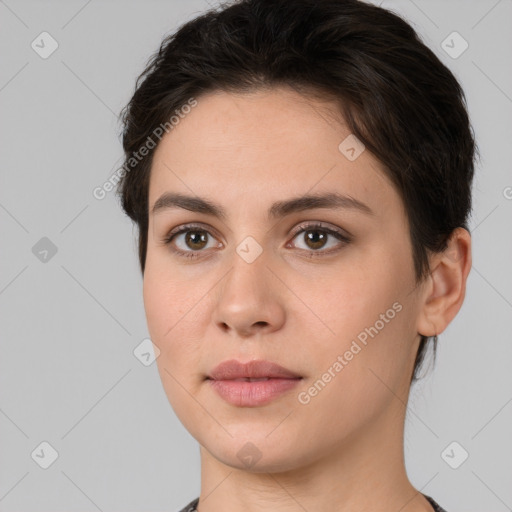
[(364, 472)]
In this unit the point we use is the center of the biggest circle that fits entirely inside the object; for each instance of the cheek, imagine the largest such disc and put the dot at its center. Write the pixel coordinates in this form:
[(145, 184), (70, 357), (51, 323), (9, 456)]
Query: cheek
[(170, 317), (168, 294), (160, 302), (354, 297), (176, 314), (369, 311), (175, 317), (166, 304)]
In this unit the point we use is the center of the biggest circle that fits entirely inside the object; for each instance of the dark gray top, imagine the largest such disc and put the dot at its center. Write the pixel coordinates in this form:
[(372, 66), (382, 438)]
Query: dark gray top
[(191, 507)]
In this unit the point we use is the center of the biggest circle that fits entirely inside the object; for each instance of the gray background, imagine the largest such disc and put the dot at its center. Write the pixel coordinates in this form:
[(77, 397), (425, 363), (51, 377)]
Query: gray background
[(70, 323)]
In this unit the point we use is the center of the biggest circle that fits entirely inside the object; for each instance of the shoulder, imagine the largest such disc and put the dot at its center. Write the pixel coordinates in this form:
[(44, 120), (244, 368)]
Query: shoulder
[(435, 506), (192, 506)]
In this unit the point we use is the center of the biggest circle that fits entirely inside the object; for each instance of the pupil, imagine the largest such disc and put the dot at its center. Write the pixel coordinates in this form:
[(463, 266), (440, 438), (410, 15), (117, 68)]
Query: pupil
[(318, 240), (196, 239)]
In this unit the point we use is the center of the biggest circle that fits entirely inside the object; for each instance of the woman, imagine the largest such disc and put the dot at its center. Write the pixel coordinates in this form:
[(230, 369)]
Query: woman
[(300, 174)]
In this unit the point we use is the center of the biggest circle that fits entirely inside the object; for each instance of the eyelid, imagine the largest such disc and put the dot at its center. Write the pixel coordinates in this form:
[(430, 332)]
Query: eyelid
[(189, 227), (316, 224)]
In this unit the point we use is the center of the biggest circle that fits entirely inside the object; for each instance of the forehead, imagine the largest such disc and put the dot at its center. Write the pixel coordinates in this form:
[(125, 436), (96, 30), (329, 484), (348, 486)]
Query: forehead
[(267, 144)]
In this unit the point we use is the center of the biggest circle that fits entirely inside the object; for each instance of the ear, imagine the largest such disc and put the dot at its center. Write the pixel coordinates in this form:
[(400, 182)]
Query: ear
[(446, 286)]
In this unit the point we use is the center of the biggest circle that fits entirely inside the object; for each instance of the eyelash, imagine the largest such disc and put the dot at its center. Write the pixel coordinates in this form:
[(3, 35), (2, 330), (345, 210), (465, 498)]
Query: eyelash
[(345, 239)]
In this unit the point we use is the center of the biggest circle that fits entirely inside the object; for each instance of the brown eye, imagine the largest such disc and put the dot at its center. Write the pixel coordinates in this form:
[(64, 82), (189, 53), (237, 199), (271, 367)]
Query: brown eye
[(315, 239), (319, 239), (196, 240), (191, 241)]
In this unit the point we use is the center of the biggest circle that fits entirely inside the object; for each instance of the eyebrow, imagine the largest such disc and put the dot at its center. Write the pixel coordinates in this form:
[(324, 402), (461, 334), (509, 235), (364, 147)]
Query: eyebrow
[(279, 209)]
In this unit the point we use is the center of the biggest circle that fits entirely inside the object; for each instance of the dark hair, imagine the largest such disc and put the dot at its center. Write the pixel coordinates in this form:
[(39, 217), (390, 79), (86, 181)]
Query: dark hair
[(394, 94)]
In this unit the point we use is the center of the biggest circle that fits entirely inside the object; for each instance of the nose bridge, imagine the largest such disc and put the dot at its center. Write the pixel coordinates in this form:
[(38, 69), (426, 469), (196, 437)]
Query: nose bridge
[(249, 299)]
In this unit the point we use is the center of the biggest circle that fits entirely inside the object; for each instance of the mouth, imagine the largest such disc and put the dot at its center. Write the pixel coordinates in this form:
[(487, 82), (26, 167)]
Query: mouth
[(251, 384), (251, 380), (255, 369), (252, 392)]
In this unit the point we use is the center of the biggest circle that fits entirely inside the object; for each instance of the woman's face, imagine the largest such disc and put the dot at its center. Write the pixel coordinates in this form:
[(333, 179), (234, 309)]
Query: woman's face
[(265, 282)]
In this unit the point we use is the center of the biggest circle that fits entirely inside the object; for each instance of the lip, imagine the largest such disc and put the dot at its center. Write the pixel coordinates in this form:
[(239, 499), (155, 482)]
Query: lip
[(228, 379), (255, 369)]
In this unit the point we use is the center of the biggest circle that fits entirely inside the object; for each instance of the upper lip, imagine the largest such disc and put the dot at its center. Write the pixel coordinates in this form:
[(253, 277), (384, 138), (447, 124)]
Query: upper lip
[(233, 369)]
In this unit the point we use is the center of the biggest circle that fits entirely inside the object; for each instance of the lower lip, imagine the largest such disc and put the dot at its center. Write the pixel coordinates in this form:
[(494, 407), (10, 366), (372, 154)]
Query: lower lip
[(252, 394)]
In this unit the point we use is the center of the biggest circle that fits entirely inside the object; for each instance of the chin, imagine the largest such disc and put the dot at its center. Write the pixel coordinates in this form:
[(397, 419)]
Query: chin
[(255, 451)]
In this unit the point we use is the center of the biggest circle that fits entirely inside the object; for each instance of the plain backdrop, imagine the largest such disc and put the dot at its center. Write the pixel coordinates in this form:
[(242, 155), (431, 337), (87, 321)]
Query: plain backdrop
[(70, 288)]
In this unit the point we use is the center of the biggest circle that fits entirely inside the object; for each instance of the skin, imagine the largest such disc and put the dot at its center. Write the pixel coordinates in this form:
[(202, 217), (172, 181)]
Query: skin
[(343, 450)]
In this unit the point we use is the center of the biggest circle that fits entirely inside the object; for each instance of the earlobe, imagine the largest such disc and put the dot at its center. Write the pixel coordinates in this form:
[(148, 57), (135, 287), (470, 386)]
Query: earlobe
[(444, 294)]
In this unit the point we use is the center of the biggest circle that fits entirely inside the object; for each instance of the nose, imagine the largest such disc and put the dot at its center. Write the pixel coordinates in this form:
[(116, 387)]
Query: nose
[(249, 299)]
